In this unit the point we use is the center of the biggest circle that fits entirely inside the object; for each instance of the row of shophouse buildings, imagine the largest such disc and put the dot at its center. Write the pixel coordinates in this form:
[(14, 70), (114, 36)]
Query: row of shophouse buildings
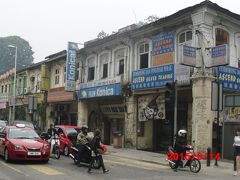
[(122, 83)]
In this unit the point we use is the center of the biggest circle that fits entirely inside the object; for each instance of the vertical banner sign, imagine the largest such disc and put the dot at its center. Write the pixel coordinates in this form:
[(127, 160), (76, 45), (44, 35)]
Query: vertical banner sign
[(220, 55), (71, 66), (188, 55), (163, 48)]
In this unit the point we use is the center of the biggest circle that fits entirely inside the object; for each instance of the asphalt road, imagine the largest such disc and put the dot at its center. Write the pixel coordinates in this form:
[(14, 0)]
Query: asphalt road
[(120, 168)]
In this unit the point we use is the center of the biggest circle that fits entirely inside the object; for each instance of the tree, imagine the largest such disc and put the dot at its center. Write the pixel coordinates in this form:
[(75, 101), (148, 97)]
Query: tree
[(102, 35), (151, 19), (24, 56)]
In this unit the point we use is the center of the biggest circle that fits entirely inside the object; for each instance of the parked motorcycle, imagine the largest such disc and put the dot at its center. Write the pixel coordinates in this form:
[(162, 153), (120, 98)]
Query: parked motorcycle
[(190, 160), (87, 156)]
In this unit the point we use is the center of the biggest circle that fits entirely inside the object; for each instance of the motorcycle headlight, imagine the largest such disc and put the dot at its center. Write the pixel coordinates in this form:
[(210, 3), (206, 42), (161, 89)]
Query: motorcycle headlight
[(45, 146), (17, 147)]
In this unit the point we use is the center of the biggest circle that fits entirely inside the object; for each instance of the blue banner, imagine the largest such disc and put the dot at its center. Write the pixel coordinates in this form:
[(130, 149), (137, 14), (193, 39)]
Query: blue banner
[(219, 51), (229, 77), (100, 91), (70, 83), (151, 78), (163, 43)]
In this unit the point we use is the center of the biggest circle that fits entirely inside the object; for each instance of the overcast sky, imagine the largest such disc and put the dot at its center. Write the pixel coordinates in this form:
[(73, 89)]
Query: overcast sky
[(49, 24)]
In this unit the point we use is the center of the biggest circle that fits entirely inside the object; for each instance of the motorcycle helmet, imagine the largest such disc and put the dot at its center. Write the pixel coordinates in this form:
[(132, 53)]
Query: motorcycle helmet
[(182, 132), (84, 127)]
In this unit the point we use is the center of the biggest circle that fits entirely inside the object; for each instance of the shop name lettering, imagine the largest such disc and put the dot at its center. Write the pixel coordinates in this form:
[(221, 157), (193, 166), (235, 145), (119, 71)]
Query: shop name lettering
[(71, 65), (153, 78), (101, 92), (229, 77)]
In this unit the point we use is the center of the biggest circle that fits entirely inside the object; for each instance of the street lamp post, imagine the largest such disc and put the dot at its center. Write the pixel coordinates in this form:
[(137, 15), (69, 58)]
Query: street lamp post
[(14, 85)]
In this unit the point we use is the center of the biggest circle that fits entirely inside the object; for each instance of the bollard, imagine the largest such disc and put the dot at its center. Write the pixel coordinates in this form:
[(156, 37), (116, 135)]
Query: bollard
[(208, 156)]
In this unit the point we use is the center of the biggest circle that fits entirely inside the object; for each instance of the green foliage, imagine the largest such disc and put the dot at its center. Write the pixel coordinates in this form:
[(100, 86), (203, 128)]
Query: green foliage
[(41, 111), (102, 35), (24, 55), (20, 113)]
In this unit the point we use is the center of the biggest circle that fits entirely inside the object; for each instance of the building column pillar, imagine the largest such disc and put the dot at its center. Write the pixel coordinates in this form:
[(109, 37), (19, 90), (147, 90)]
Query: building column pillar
[(131, 122), (202, 116), (82, 113)]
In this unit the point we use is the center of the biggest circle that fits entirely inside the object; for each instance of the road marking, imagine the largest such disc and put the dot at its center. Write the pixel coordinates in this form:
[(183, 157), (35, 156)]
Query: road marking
[(17, 170), (45, 170)]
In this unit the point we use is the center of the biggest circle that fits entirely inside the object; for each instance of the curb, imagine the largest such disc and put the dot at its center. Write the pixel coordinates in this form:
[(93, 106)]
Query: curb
[(113, 153)]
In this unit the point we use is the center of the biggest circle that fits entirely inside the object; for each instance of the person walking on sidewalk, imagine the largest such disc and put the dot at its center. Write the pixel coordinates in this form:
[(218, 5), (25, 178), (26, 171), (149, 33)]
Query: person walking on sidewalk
[(95, 143), (236, 146)]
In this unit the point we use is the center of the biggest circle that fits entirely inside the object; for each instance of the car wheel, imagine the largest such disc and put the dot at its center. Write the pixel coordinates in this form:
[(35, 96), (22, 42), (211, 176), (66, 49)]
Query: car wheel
[(65, 150), (6, 155)]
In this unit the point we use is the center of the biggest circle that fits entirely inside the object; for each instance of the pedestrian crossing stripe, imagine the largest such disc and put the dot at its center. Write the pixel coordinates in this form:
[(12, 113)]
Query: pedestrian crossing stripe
[(45, 170)]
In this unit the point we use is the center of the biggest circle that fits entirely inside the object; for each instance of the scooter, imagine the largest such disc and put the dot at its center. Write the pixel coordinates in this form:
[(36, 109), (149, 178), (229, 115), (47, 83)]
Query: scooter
[(190, 160), (54, 143), (86, 158)]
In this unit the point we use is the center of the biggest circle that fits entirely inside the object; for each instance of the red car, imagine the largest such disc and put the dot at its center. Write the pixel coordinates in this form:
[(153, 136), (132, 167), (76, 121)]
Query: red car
[(22, 143), (67, 136)]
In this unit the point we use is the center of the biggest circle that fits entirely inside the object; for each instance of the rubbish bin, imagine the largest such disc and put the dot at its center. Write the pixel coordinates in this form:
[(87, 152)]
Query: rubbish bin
[(117, 140)]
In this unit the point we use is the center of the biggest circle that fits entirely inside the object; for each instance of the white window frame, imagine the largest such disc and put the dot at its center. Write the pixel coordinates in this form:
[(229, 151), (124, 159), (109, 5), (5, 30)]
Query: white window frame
[(56, 76), (144, 52)]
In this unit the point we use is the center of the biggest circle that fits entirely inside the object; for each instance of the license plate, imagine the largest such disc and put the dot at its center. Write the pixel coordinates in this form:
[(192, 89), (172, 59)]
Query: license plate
[(34, 153)]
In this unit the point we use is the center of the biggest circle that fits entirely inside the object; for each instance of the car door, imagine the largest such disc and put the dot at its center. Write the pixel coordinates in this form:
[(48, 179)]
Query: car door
[(2, 140), (62, 138)]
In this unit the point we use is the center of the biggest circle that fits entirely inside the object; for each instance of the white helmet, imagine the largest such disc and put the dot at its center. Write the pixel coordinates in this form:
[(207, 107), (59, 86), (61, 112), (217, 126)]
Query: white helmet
[(182, 132)]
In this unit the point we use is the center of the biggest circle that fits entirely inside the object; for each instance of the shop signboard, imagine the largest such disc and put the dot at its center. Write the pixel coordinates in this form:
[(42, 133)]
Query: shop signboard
[(188, 55), (220, 55), (151, 78), (100, 91), (229, 77)]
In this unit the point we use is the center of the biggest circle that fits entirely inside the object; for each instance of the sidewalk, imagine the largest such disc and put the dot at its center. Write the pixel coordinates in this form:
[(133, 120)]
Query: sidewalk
[(157, 158)]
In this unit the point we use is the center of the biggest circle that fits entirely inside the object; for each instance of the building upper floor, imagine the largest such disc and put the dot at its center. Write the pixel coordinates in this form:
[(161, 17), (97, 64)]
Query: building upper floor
[(202, 26)]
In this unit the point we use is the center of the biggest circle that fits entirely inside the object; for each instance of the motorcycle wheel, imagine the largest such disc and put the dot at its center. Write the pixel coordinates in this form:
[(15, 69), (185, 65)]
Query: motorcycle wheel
[(96, 163), (57, 152), (172, 165), (195, 165)]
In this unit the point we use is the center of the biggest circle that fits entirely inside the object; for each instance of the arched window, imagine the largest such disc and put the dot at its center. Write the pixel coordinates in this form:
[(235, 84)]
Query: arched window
[(91, 69), (104, 65), (143, 52), (221, 37), (185, 38), (119, 56)]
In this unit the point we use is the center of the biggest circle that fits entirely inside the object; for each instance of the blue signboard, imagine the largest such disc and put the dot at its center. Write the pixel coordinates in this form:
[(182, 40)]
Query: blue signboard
[(71, 67), (229, 77), (220, 55), (189, 51), (100, 91), (151, 78), (163, 43), (219, 51)]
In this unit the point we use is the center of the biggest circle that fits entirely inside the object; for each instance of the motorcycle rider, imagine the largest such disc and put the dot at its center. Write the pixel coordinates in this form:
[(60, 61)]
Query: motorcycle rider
[(81, 141), (180, 145)]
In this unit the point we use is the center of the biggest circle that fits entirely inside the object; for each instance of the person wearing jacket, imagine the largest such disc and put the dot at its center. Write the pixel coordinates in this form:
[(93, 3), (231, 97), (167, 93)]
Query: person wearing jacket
[(236, 146), (180, 145), (81, 141), (95, 144)]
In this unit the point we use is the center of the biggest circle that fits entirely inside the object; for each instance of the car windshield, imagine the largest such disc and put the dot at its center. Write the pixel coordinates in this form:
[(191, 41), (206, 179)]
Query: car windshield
[(71, 131), (18, 133), (2, 123), (27, 124)]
